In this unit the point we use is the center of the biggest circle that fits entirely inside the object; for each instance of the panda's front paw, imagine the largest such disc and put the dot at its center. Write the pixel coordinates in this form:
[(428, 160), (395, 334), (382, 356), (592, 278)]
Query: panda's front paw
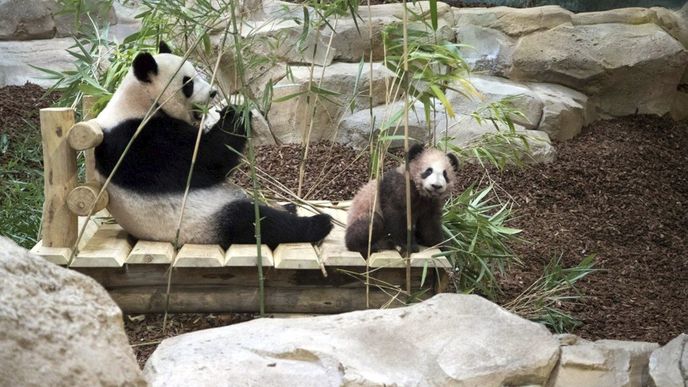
[(414, 248)]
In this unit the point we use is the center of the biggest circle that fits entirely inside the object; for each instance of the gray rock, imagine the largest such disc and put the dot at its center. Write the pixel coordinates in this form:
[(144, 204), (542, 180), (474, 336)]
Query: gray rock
[(493, 89), (565, 111), (488, 49), (290, 119), (514, 21), (355, 129), (27, 19), (448, 340), (603, 363), (59, 327), (17, 56), (623, 68), (465, 132), (669, 364)]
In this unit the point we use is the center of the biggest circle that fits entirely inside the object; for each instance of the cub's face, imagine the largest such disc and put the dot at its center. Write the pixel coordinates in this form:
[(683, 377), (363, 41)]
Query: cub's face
[(433, 172), (175, 80)]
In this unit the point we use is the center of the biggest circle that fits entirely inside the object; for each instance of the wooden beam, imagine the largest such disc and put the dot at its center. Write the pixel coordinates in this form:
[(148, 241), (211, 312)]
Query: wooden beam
[(87, 113), (59, 225), (241, 299), (56, 255)]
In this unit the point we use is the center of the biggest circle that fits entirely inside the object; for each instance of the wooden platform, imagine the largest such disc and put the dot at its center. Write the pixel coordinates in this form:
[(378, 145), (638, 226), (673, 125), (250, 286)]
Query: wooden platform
[(299, 277)]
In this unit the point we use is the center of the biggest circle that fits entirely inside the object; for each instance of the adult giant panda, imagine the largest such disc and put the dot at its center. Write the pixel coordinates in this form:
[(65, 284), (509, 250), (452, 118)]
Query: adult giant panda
[(147, 188)]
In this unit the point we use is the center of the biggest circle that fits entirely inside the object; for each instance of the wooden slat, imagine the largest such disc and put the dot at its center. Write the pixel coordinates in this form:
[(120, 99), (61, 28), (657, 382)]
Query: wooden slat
[(336, 254), (247, 255), (151, 252), (296, 256), (192, 255), (56, 255), (108, 247), (387, 258), (426, 255)]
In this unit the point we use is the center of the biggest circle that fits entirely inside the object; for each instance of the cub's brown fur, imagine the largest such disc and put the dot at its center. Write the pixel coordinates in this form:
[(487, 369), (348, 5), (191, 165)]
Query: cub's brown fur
[(432, 178)]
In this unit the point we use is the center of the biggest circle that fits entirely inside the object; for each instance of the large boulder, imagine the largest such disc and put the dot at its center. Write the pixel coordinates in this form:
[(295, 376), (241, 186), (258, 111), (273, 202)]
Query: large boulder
[(18, 56), (669, 364), (44, 19), (59, 327), (450, 339), (624, 69), (603, 363), (344, 85), (495, 89), (565, 111), (486, 49), (514, 21)]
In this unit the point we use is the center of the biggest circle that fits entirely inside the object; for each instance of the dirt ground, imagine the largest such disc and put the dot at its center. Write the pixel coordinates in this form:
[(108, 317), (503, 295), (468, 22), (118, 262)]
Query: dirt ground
[(619, 191)]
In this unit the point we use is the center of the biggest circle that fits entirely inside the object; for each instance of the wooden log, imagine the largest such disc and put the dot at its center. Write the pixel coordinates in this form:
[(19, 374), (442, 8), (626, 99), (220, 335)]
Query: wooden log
[(193, 255), (242, 299), (59, 224), (247, 255), (147, 252), (85, 135), (109, 247), (82, 199), (87, 105)]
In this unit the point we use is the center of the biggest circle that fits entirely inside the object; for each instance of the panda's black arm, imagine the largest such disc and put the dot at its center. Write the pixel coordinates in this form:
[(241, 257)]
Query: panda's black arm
[(222, 146)]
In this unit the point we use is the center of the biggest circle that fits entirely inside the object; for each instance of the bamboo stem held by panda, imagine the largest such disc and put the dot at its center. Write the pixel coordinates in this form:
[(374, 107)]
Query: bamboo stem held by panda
[(87, 113), (59, 225), (82, 199)]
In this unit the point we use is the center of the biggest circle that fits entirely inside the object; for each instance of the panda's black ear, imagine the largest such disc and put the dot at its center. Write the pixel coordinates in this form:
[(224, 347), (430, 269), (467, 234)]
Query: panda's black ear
[(145, 66), (414, 151), (163, 48), (454, 161)]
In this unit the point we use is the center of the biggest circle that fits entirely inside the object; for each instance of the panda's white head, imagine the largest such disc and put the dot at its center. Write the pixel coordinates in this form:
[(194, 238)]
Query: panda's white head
[(175, 80), (432, 171)]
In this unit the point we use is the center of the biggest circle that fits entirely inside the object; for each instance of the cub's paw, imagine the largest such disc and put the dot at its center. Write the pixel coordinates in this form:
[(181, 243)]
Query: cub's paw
[(414, 249)]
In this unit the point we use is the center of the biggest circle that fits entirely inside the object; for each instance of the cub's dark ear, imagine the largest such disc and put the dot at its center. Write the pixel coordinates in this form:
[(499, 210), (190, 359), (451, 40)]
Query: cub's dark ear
[(145, 66), (454, 161), (163, 48), (414, 151)]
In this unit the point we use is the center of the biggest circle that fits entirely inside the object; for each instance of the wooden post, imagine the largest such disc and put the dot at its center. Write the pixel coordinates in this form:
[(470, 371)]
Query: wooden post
[(87, 114), (59, 225)]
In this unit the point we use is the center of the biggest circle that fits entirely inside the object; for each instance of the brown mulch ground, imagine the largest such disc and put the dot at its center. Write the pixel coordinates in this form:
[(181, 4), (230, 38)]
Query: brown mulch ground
[(618, 191)]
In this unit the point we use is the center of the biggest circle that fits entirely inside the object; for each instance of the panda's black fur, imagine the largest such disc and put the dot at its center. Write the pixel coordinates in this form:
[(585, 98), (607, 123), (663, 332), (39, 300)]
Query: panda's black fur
[(157, 165), (388, 209)]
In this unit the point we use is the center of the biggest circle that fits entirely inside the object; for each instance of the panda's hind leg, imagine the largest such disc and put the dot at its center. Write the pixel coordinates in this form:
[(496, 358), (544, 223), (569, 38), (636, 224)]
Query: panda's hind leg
[(357, 235), (236, 225)]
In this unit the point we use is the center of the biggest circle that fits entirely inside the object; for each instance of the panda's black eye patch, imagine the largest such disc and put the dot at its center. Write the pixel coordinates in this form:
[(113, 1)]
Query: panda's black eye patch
[(187, 87), (426, 173), (446, 178)]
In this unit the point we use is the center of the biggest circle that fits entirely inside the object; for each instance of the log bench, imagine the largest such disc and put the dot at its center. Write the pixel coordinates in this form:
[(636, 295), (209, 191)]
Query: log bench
[(151, 277)]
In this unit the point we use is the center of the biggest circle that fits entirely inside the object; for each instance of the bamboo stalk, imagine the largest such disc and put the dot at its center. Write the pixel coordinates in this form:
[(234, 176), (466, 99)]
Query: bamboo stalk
[(407, 175)]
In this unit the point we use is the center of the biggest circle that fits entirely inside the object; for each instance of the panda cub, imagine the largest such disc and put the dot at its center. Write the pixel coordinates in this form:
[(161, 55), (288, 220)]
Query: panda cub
[(432, 178), (147, 188)]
